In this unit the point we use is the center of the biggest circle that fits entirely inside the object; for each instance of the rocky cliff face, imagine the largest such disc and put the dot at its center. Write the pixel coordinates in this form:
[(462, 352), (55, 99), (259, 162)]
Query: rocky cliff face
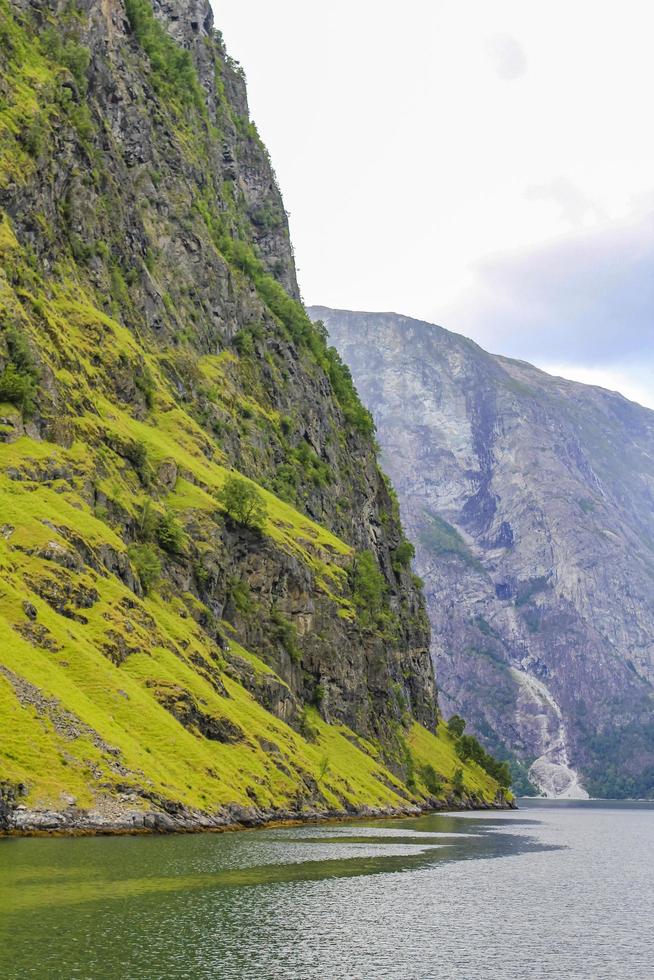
[(162, 652), (531, 503)]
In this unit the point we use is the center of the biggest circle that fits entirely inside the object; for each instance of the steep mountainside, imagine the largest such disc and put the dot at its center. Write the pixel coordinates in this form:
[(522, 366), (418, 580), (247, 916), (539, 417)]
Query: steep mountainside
[(180, 644), (531, 503)]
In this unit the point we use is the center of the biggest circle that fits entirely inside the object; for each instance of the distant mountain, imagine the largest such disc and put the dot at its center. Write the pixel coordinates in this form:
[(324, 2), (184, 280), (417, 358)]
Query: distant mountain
[(531, 503)]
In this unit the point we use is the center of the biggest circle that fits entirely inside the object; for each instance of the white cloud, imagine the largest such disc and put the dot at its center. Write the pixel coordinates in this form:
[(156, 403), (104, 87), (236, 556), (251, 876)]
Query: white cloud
[(634, 381), (508, 57), (584, 298), (575, 207), (408, 165)]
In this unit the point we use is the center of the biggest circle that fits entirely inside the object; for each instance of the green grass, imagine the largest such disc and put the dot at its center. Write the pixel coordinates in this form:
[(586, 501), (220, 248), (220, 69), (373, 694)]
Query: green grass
[(439, 751), (153, 749), (441, 538), (118, 702), (84, 661)]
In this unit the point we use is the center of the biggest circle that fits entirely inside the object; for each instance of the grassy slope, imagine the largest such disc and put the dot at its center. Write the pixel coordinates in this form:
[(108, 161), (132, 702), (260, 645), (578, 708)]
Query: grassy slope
[(73, 722), (117, 703)]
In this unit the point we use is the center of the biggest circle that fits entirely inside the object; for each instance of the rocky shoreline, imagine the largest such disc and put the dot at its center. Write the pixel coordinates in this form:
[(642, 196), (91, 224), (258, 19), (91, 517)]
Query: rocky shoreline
[(20, 821)]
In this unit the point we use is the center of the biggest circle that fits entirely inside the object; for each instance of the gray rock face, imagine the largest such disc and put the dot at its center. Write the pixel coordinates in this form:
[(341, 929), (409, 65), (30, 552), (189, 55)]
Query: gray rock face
[(141, 186), (531, 503)]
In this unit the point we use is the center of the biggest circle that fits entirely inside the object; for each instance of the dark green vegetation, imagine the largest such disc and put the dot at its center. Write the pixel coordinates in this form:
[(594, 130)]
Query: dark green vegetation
[(468, 747), (442, 539), (207, 599), (243, 502), (18, 381), (614, 780)]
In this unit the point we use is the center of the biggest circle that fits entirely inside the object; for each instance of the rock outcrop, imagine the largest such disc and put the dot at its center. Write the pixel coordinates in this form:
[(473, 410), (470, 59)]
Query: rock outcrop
[(530, 500), (159, 648)]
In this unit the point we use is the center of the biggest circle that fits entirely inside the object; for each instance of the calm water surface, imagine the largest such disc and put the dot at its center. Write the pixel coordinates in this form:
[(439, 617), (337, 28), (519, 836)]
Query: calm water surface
[(555, 890)]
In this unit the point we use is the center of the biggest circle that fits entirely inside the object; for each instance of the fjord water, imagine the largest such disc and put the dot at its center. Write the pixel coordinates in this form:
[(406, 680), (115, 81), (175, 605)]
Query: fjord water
[(554, 890)]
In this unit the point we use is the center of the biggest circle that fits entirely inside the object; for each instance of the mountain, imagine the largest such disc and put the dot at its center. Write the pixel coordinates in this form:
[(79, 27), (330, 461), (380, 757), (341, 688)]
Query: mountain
[(205, 615), (530, 500)]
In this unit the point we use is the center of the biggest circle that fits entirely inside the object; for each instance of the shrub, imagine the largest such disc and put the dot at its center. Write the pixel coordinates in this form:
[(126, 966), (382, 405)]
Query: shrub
[(81, 120), (457, 782), (346, 394), (17, 389), (244, 342), (432, 780), (368, 585), (285, 633), (323, 769), (137, 454), (409, 764), (18, 380), (285, 483), (403, 555), (306, 727), (243, 502), (456, 726), (34, 136), (173, 73), (145, 384), (293, 317), (147, 522), (147, 565), (469, 748), (238, 591), (75, 57), (309, 464), (170, 534)]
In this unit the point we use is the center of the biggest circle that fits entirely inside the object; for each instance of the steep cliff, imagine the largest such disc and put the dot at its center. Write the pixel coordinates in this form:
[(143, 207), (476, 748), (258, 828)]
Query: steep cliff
[(202, 614), (531, 503)]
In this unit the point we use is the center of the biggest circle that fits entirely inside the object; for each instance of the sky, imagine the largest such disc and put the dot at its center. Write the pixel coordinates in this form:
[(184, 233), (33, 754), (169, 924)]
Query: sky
[(485, 166)]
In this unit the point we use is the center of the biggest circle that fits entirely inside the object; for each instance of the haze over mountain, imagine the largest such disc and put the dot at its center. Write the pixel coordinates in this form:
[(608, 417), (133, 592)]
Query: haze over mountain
[(530, 500)]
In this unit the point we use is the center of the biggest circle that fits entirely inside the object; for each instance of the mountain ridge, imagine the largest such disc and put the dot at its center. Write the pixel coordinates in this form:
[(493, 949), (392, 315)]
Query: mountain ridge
[(529, 499)]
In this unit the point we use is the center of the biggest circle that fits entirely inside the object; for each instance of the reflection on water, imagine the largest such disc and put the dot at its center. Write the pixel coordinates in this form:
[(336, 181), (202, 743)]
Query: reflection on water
[(548, 891)]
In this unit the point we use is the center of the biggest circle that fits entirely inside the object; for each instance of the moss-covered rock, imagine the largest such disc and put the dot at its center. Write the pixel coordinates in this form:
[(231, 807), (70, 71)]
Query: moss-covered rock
[(146, 270)]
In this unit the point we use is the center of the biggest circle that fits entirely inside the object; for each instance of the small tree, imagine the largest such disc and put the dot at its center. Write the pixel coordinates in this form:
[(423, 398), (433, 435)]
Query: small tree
[(432, 780), (456, 726), (170, 534), (147, 521), (17, 388), (368, 585), (243, 502), (403, 555), (323, 769), (146, 565), (18, 380), (457, 782), (137, 454)]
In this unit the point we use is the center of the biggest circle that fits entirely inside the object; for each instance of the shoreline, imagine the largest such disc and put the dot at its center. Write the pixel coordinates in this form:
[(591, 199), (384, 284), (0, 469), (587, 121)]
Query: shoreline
[(22, 822)]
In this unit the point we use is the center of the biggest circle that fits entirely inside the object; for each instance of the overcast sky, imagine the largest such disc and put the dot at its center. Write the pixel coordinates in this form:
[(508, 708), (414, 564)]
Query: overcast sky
[(485, 166)]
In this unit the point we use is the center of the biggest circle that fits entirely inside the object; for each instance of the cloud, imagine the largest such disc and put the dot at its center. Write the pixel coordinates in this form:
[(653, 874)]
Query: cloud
[(634, 380), (585, 299), (508, 57), (574, 206)]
